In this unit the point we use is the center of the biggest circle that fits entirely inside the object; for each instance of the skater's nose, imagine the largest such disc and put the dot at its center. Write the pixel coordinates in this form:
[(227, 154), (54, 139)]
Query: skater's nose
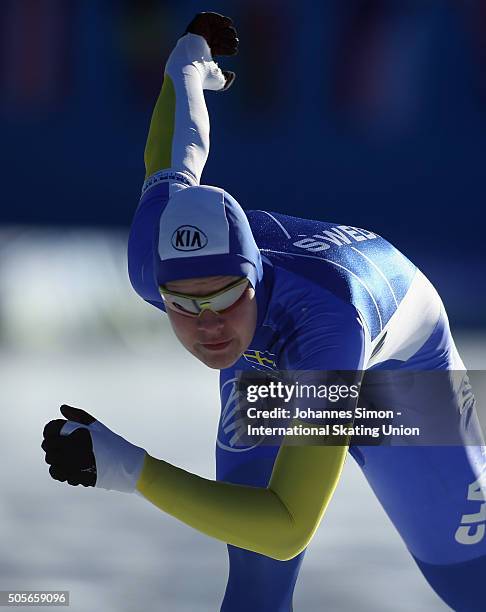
[(209, 320)]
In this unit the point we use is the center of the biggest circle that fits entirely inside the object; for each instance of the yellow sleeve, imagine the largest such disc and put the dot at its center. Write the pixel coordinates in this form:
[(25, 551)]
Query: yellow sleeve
[(277, 521), (158, 149)]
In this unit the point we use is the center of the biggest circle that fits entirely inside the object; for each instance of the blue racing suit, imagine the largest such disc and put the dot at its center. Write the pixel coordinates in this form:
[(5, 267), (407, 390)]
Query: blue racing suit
[(329, 297)]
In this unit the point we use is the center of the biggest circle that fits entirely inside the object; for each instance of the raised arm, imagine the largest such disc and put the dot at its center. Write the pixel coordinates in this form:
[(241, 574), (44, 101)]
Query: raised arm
[(178, 138)]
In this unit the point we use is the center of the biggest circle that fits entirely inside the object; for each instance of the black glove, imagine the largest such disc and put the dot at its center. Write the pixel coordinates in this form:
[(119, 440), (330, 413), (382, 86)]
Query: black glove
[(221, 36), (71, 457), (83, 451)]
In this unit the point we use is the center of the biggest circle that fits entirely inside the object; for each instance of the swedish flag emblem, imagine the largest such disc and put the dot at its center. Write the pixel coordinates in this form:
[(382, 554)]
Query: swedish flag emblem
[(261, 359)]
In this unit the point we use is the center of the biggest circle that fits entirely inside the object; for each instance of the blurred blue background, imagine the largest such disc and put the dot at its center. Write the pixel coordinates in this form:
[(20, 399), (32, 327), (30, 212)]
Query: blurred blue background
[(368, 112)]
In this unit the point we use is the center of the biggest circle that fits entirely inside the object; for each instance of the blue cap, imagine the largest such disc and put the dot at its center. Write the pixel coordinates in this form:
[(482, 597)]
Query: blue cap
[(203, 231)]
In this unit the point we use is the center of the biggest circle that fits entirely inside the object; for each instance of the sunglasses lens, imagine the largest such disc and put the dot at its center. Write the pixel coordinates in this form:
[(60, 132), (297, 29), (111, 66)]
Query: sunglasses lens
[(228, 298), (194, 305), (186, 306), (181, 304)]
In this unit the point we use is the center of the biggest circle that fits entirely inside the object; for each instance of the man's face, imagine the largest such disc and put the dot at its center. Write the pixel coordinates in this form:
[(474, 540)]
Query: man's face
[(218, 340)]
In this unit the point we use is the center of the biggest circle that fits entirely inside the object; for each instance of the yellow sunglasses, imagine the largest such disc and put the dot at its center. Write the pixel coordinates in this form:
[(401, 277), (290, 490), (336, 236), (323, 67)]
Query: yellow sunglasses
[(194, 305)]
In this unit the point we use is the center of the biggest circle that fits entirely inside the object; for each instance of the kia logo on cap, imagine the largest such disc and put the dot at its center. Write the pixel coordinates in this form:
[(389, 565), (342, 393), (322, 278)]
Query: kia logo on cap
[(189, 238)]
